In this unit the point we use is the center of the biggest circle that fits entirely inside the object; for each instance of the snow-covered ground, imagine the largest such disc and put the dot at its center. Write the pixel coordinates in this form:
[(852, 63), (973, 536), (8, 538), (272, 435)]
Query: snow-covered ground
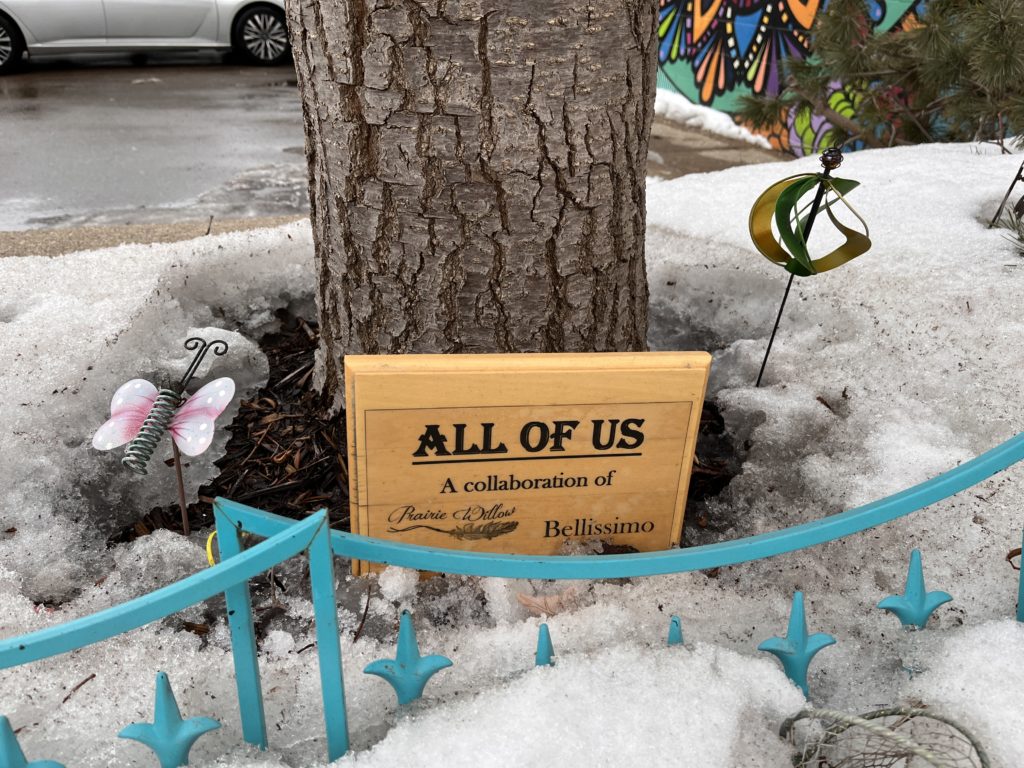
[(885, 372)]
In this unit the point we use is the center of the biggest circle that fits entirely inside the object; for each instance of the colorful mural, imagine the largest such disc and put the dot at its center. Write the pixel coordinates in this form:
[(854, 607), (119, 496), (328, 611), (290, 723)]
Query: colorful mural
[(713, 51)]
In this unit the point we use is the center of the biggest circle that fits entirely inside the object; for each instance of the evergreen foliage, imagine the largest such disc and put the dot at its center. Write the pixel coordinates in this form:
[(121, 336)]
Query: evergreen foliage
[(955, 75)]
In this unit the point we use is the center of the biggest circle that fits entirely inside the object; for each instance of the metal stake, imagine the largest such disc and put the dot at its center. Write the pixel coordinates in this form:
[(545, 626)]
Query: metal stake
[(830, 160), (218, 347), (1018, 177), (186, 529)]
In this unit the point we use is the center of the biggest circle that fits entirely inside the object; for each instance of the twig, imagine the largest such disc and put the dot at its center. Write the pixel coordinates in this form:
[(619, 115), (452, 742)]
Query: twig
[(307, 330), (264, 491), (73, 690), (697, 470), (209, 225), (366, 610), (294, 373), (1012, 554), (258, 444)]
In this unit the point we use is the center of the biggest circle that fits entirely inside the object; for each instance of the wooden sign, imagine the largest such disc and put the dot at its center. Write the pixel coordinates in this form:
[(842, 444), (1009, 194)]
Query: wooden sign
[(522, 453)]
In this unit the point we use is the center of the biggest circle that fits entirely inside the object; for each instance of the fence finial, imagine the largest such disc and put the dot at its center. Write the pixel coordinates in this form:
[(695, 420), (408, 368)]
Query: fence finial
[(169, 736), (797, 648), (11, 755), (545, 651), (675, 631), (408, 673), (916, 604)]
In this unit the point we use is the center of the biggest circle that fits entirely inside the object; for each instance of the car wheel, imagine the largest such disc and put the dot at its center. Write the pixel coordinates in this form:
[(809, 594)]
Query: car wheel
[(261, 35), (12, 47)]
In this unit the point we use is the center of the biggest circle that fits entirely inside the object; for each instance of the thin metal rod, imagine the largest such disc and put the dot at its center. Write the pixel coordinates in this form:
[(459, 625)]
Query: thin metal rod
[(218, 347), (811, 216), (771, 340), (181, 490), (1018, 177)]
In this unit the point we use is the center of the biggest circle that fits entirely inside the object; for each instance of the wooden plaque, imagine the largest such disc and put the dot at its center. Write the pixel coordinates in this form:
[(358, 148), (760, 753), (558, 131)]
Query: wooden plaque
[(522, 453)]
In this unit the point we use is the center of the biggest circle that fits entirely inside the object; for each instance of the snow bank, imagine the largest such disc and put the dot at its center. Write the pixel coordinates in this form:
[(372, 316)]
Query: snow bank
[(679, 109), (893, 368), (659, 704), (976, 677)]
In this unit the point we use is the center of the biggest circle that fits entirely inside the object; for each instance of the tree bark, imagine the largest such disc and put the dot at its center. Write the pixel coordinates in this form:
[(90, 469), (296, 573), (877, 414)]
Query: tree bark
[(476, 173)]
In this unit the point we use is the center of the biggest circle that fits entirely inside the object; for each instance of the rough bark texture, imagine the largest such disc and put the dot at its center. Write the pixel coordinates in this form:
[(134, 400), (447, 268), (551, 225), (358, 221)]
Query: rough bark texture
[(477, 173)]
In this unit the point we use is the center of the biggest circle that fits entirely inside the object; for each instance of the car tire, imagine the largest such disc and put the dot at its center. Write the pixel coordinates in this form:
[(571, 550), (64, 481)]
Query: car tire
[(12, 46), (260, 36)]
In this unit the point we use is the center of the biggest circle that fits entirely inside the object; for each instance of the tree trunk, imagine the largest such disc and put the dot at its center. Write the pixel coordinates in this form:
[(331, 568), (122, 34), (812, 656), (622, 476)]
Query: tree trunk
[(477, 173)]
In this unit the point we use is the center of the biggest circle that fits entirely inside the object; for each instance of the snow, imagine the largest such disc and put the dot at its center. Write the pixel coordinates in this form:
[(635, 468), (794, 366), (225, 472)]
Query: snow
[(398, 583), (679, 109), (562, 717), (897, 366), (976, 677), (77, 327)]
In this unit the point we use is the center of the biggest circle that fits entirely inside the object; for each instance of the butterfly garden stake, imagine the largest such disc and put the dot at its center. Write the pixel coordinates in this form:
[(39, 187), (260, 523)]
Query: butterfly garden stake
[(781, 203), (140, 414)]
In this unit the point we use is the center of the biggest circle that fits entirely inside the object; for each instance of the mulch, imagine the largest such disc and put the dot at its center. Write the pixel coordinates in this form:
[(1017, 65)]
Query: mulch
[(288, 457)]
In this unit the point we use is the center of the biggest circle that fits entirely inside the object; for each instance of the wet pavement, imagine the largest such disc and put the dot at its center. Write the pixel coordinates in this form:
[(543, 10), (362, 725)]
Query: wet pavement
[(107, 142), (106, 149), (676, 150)]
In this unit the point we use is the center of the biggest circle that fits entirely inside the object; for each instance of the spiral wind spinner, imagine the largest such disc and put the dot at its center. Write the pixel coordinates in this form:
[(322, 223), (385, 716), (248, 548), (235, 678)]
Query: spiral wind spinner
[(140, 414), (780, 203)]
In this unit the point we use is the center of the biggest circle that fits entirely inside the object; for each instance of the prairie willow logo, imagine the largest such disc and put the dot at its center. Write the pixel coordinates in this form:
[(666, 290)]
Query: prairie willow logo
[(478, 521), (469, 531)]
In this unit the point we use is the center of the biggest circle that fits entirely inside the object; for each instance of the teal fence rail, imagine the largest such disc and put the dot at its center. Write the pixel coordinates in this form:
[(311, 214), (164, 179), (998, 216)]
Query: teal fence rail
[(285, 538)]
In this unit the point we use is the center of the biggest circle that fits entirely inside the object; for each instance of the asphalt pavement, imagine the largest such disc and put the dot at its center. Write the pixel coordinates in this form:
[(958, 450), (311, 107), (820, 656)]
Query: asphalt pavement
[(101, 150), (106, 141)]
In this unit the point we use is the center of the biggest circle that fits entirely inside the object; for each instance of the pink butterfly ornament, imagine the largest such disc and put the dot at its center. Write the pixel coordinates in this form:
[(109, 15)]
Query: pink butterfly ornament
[(191, 426), (140, 414)]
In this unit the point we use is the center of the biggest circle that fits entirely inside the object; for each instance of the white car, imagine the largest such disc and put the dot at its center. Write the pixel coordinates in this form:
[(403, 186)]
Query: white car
[(256, 30)]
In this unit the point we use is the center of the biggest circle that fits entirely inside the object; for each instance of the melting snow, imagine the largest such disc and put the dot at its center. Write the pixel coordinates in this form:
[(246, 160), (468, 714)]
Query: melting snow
[(885, 372)]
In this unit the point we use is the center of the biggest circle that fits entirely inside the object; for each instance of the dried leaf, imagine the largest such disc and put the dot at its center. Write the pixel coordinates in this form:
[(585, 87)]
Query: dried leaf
[(549, 605), (196, 629)]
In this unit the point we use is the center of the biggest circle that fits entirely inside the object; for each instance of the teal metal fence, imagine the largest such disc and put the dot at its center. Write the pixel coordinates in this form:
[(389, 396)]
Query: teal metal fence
[(285, 538)]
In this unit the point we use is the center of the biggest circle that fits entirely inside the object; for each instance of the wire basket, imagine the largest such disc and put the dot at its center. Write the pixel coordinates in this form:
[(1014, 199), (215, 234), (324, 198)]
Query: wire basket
[(897, 737)]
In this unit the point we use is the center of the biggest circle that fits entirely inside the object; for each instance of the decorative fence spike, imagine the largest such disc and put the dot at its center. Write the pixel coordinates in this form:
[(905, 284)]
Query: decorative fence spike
[(11, 755), (915, 605), (675, 631), (797, 648), (408, 673), (169, 736), (545, 651)]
